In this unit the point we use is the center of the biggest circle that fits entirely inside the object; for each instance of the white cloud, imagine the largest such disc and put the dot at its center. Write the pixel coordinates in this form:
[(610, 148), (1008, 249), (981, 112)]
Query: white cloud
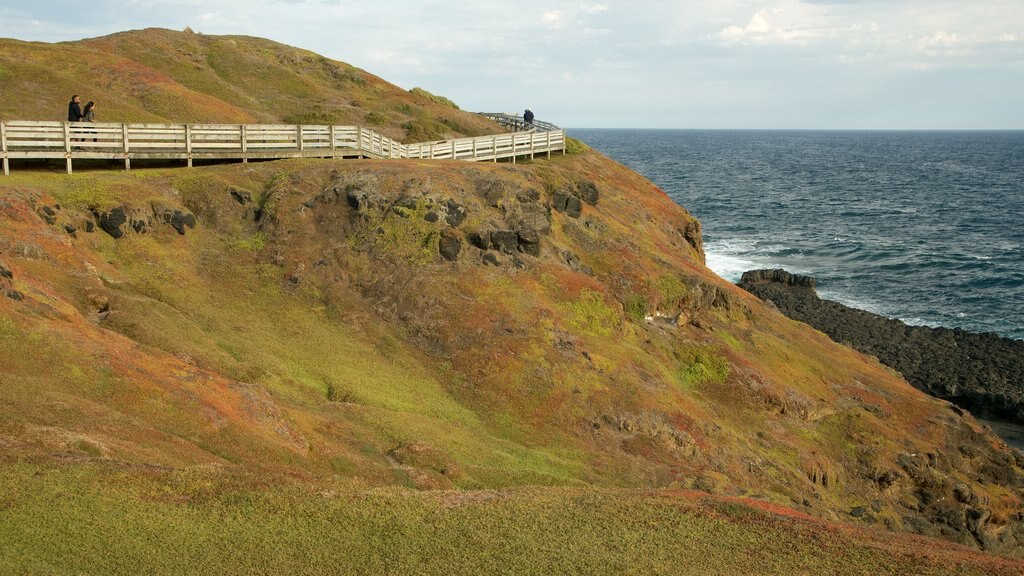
[(601, 62)]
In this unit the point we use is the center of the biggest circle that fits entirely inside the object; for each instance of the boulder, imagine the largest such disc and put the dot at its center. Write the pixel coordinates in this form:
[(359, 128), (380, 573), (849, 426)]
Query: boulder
[(506, 241), (455, 213), (112, 220), (573, 207), (450, 245), (49, 214), (241, 195), (481, 240), (587, 191), (559, 199), (529, 241)]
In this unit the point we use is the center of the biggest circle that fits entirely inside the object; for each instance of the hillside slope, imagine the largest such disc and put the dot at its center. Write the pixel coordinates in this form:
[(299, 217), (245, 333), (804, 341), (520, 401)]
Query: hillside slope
[(157, 75), (239, 345)]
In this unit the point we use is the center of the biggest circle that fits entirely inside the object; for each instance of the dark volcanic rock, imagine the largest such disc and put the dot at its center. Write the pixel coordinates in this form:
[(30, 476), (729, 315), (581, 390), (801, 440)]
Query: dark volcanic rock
[(777, 276), (481, 240), (49, 214), (573, 207), (111, 222), (505, 240), (241, 195), (983, 373), (529, 241), (179, 220), (450, 245), (587, 191), (455, 213)]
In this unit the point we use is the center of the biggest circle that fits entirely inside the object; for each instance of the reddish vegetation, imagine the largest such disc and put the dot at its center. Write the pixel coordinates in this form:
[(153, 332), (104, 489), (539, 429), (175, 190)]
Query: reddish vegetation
[(314, 332)]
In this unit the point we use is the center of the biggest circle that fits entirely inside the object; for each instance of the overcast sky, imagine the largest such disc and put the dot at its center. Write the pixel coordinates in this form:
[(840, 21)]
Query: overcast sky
[(862, 64)]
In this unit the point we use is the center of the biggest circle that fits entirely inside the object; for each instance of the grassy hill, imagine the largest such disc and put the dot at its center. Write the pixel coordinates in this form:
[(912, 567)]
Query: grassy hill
[(159, 75), (438, 367)]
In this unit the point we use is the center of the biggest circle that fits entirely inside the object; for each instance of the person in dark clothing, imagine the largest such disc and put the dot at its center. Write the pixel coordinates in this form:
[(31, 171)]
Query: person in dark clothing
[(528, 117), (74, 109), (89, 115)]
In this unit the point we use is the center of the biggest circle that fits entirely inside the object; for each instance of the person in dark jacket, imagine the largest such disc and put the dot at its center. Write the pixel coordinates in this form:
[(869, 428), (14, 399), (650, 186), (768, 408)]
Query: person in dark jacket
[(528, 117), (74, 109)]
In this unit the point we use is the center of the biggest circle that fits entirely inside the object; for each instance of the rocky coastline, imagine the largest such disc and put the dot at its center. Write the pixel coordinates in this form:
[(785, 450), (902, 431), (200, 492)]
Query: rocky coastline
[(982, 373)]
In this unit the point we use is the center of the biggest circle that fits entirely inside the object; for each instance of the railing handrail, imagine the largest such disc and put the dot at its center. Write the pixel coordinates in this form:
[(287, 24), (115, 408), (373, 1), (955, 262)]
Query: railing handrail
[(518, 123), (127, 141)]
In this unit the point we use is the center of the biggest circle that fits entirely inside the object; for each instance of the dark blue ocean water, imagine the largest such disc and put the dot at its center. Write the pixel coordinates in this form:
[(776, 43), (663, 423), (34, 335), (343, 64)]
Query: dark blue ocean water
[(927, 227)]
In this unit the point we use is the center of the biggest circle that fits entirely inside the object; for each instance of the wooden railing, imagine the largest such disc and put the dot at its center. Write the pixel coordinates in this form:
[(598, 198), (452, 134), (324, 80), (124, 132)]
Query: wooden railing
[(188, 142), (518, 123)]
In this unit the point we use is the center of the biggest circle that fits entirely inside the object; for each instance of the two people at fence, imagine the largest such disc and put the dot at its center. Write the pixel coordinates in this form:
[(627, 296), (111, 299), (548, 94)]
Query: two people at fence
[(77, 114)]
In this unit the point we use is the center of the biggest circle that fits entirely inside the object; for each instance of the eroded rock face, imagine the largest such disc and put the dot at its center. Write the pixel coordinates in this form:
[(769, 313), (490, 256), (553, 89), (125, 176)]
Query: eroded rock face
[(777, 276), (120, 220)]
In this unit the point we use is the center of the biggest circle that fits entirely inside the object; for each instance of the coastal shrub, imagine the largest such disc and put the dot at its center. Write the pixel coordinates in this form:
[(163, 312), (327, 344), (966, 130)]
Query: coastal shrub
[(671, 289), (635, 306), (434, 98), (407, 235), (317, 116), (590, 315), (423, 130), (574, 146), (375, 118), (699, 365)]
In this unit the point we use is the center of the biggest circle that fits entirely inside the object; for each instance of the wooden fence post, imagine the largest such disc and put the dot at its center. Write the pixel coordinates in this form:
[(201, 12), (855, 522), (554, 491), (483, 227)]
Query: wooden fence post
[(532, 134), (188, 144), (298, 137), (245, 148), (334, 153), (127, 148), (67, 146), (3, 147)]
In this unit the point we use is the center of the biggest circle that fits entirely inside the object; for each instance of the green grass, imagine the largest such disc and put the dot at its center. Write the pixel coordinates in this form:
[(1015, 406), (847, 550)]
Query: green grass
[(590, 315), (89, 520), (700, 365)]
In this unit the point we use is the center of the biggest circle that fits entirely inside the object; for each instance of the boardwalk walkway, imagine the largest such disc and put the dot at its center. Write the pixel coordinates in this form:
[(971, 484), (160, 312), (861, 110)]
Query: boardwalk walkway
[(102, 140)]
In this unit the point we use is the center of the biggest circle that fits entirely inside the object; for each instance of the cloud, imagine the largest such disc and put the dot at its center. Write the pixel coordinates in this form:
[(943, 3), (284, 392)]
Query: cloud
[(791, 22), (726, 63)]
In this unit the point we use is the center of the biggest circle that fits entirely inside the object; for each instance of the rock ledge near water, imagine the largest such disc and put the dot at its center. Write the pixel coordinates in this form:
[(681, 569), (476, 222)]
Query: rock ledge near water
[(983, 373)]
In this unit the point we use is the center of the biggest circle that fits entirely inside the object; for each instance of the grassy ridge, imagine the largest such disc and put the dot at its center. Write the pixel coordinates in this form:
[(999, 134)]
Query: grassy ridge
[(158, 75), (89, 519)]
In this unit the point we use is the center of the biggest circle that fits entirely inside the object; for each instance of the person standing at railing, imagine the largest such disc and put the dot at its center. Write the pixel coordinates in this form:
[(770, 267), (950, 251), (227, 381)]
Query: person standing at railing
[(75, 109), (89, 115), (528, 117)]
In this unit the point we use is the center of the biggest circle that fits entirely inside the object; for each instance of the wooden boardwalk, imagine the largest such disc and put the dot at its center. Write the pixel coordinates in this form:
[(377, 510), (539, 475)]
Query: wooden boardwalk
[(103, 140)]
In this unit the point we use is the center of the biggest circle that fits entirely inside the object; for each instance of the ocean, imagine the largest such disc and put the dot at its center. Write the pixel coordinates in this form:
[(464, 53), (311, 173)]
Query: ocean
[(926, 227)]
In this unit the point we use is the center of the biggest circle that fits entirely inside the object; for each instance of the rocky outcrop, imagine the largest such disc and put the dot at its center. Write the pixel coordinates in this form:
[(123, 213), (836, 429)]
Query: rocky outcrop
[(7, 284), (119, 220), (983, 373)]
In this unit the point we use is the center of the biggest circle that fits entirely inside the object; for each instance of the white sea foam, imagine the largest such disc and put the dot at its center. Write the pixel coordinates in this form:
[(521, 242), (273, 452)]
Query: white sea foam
[(730, 259)]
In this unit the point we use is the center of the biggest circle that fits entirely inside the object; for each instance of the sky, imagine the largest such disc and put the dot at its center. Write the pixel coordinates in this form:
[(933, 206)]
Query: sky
[(730, 64)]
